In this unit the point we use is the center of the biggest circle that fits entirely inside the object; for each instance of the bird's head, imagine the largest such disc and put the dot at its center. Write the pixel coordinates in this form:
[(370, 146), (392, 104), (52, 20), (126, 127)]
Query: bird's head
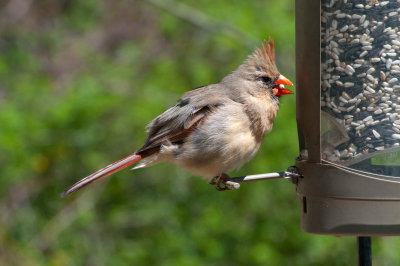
[(261, 73)]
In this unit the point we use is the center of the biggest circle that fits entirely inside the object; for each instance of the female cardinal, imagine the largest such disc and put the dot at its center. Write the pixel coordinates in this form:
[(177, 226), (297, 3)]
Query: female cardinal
[(213, 129)]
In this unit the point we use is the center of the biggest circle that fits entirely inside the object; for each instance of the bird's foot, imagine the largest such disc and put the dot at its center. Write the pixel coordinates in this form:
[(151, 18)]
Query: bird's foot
[(222, 183)]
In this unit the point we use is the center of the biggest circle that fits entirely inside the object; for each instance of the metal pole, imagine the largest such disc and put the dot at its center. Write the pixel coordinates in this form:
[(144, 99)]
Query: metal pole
[(291, 173), (364, 251)]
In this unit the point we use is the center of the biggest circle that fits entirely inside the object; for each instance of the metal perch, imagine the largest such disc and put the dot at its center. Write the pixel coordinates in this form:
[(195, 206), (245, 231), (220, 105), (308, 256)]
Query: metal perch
[(233, 183)]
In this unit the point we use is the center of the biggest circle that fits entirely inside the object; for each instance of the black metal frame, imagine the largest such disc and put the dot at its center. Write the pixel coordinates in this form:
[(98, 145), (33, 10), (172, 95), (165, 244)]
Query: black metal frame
[(364, 251)]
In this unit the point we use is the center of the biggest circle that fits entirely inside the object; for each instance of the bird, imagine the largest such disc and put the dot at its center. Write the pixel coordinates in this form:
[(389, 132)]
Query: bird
[(212, 129)]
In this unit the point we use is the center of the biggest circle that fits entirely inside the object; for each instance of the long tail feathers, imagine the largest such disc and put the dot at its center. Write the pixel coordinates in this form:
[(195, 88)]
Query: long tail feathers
[(106, 171)]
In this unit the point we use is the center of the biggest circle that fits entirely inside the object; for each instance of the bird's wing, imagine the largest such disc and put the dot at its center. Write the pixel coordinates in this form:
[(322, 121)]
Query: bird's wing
[(174, 125), (178, 122)]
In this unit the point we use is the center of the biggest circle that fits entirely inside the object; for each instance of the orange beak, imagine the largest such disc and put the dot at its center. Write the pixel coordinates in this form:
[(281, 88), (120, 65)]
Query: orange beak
[(279, 88)]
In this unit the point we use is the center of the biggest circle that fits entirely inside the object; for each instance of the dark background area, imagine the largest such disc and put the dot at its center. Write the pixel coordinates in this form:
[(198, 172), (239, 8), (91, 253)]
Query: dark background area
[(79, 81)]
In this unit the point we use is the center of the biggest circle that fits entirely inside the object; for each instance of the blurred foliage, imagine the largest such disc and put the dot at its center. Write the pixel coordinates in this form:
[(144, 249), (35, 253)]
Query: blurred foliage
[(79, 80)]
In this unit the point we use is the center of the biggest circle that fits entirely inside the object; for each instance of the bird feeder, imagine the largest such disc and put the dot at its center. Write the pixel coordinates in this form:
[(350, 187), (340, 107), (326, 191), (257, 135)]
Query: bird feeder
[(348, 113)]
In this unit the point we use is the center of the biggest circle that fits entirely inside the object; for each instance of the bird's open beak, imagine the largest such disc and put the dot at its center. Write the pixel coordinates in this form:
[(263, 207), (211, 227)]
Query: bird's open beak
[(279, 88)]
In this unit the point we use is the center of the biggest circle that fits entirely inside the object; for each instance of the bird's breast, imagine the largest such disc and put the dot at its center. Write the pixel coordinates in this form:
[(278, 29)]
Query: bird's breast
[(225, 141), (261, 112)]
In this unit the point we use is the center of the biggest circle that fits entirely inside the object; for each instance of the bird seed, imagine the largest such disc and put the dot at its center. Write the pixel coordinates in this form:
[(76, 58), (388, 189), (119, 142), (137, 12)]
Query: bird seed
[(360, 46)]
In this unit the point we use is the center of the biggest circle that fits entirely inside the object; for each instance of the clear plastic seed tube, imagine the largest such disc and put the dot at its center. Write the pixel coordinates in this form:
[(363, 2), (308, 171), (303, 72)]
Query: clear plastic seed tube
[(360, 84)]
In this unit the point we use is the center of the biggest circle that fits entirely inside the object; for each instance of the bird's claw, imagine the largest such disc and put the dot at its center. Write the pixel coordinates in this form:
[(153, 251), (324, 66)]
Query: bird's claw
[(222, 183)]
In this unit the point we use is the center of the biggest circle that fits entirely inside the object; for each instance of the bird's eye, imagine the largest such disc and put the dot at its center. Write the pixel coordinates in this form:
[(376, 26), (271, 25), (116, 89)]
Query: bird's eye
[(266, 79)]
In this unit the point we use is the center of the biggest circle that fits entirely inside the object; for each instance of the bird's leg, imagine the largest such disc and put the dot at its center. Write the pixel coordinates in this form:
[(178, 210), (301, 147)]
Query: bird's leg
[(221, 182)]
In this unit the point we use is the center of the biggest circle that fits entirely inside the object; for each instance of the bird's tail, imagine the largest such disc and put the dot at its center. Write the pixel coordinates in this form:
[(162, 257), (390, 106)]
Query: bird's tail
[(106, 171)]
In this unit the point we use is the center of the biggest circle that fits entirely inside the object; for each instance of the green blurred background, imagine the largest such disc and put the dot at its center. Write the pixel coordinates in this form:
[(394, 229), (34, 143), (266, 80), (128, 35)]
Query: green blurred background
[(79, 80)]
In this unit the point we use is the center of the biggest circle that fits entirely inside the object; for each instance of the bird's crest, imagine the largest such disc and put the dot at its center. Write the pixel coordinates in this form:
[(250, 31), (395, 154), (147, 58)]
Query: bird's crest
[(263, 59), (268, 50)]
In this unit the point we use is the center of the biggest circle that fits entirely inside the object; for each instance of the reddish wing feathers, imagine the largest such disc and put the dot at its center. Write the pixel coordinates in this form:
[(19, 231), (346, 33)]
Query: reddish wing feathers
[(156, 140)]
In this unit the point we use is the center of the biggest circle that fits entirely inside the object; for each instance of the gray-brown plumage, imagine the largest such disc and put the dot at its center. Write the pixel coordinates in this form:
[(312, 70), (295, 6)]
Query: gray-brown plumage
[(216, 128)]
